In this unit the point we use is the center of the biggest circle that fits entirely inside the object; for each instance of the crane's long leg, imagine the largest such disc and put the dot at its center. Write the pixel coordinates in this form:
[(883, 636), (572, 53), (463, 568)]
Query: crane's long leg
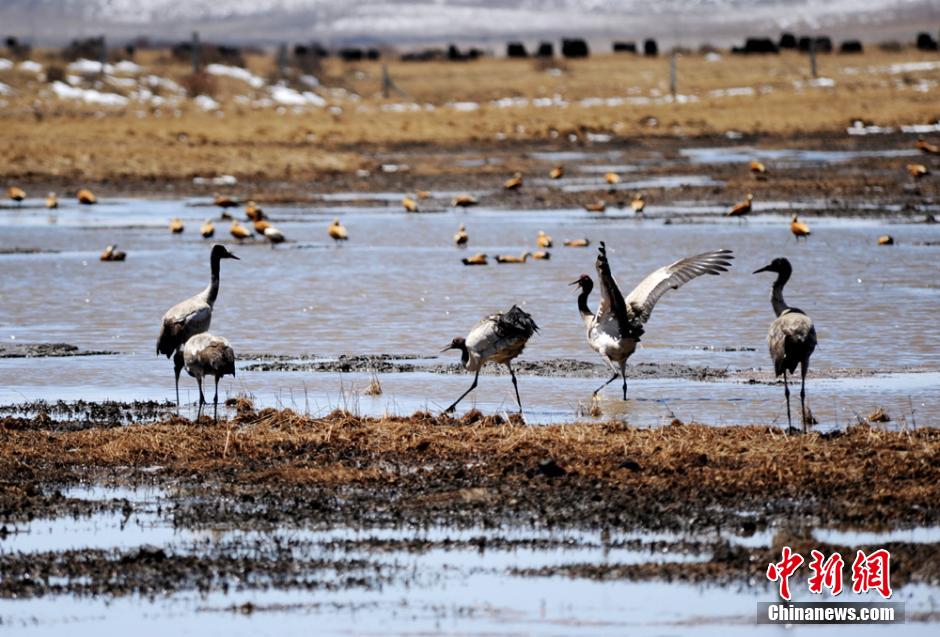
[(623, 375), (202, 398), (515, 385), (215, 401), (786, 391), (612, 379), (177, 368), (803, 394), (463, 395)]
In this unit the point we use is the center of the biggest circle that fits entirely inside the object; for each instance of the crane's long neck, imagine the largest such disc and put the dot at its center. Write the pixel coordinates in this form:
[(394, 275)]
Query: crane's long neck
[(464, 354), (213, 290), (776, 296), (587, 315)]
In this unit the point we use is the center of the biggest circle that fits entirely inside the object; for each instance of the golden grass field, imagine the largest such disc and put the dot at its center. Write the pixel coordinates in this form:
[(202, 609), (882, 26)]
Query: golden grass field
[(42, 136)]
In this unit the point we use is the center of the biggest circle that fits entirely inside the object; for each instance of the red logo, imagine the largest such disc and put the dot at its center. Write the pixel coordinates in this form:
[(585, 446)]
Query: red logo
[(870, 572)]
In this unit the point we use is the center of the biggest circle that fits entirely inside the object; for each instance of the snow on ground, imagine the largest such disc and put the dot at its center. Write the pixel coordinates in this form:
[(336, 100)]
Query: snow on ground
[(29, 66), (89, 96), (237, 73), (287, 96)]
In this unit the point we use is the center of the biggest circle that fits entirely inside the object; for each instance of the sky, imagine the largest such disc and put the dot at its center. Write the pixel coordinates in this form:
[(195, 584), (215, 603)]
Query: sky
[(403, 22)]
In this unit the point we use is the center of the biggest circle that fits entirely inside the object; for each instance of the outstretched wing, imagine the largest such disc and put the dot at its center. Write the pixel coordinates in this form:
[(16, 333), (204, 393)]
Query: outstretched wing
[(612, 305), (644, 297)]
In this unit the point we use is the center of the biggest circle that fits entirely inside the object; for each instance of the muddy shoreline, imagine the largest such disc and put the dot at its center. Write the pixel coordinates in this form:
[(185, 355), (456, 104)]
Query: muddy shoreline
[(864, 186)]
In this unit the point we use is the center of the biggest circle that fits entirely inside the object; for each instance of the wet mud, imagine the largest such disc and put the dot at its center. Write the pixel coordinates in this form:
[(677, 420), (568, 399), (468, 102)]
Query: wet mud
[(46, 350)]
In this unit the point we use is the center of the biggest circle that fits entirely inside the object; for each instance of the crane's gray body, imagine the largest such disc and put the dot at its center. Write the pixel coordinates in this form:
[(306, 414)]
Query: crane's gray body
[(498, 338), (208, 355)]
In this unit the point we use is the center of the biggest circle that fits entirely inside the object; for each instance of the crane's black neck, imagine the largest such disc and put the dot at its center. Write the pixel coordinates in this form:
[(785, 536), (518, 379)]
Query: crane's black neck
[(464, 353), (586, 312), (776, 296), (214, 261)]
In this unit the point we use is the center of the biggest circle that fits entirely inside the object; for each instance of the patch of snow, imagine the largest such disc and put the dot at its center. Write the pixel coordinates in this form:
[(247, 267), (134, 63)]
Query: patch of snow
[(123, 82), (155, 81), (126, 66), (859, 128), (87, 67), (920, 129), (89, 96), (822, 82), (235, 72), (221, 180), (712, 57), (309, 80), (29, 66), (5, 64), (289, 97), (910, 67), (206, 103), (5, 89), (464, 107)]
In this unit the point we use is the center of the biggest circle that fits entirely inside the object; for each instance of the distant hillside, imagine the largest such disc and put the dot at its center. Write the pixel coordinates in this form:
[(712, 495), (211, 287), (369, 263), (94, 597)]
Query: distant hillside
[(423, 21)]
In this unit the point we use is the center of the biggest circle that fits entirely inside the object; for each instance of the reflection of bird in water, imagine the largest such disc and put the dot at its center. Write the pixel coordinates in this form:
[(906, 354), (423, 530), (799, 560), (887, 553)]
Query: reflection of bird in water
[(792, 335), (498, 338), (615, 329)]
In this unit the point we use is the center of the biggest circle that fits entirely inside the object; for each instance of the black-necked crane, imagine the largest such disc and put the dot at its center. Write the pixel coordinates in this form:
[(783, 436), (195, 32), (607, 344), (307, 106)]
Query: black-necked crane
[(52, 202), (917, 170), (542, 255), (208, 355), (477, 259), (409, 204), (511, 258), (792, 335), (461, 237), (498, 338), (514, 182), (16, 193), (224, 201), (615, 329), (86, 197), (207, 229), (190, 317), (639, 203), (557, 172), (926, 147), (239, 231), (337, 231), (273, 235), (176, 225), (757, 168), (111, 253), (743, 208), (577, 243), (597, 206), (464, 201), (543, 240), (799, 228)]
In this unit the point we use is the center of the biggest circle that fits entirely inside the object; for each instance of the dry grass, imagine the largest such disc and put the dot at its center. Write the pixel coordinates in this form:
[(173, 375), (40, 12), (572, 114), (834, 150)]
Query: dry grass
[(42, 136), (864, 473)]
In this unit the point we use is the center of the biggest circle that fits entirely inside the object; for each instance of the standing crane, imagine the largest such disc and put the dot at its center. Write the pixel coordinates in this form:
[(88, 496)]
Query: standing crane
[(615, 329), (208, 355), (792, 335), (498, 338), (190, 317)]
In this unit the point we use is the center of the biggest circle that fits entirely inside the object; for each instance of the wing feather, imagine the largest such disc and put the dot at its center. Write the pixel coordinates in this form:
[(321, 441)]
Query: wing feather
[(673, 276), (612, 305)]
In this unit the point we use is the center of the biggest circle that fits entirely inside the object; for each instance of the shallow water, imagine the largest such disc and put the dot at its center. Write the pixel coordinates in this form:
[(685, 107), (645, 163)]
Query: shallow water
[(398, 287), (462, 589)]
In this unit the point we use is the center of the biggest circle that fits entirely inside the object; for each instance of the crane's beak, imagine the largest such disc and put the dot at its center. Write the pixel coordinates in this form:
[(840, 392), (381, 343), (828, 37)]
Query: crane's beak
[(449, 347), (232, 256), (766, 268), (578, 282)]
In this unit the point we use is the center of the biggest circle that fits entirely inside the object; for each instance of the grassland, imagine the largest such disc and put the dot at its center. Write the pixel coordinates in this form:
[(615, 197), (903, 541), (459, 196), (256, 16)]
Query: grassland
[(449, 105)]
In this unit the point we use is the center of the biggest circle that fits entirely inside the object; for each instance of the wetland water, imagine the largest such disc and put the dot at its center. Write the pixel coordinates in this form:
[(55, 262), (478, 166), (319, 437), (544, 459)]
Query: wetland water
[(398, 288)]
